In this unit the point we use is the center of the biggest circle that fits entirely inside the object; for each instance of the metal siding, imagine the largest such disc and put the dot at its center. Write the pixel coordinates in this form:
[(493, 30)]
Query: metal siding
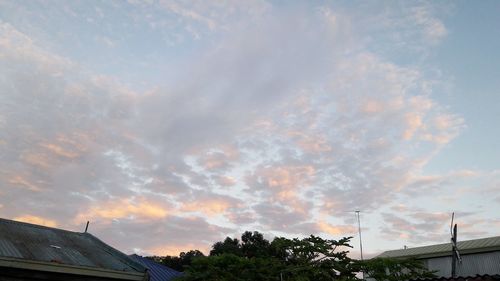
[(471, 265), (442, 265), (484, 263), (464, 278)]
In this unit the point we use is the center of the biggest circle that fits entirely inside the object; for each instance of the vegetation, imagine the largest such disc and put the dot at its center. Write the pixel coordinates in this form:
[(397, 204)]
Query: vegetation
[(178, 263), (387, 269), (311, 258)]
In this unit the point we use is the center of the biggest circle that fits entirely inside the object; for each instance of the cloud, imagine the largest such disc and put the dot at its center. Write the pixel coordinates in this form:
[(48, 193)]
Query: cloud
[(210, 204), (421, 227), (430, 184), (283, 123), (336, 230), (117, 209), (168, 235), (36, 220), (433, 28), (226, 181)]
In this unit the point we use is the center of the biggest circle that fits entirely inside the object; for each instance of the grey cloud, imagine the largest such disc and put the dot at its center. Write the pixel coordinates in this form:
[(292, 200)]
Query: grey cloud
[(423, 227), (280, 92), (128, 234), (276, 217), (416, 232)]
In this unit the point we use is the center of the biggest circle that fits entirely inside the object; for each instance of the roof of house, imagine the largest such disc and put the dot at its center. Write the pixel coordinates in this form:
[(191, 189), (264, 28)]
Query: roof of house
[(465, 247), (157, 272), (468, 278), (21, 242)]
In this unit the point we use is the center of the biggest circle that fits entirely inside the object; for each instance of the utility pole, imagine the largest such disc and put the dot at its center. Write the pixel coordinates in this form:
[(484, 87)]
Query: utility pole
[(360, 240), (454, 252), (359, 231)]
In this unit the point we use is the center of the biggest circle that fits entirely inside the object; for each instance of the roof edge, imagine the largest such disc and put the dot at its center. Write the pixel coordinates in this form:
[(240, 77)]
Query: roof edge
[(70, 269), (447, 253), (36, 225), (400, 253)]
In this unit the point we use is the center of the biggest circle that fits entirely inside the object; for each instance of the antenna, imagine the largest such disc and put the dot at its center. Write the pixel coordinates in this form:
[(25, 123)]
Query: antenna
[(86, 227), (454, 249), (359, 231), (451, 226), (360, 240)]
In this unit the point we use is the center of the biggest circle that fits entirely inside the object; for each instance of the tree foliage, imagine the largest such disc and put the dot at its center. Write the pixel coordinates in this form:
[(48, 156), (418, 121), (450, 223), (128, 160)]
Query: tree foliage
[(178, 263), (228, 246), (255, 258), (311, 258), (390, 269)]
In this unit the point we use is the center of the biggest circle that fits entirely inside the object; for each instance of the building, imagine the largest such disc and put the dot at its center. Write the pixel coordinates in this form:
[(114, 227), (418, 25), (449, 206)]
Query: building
[(467, 278), (157, 272), (478, 257), (34, 252)]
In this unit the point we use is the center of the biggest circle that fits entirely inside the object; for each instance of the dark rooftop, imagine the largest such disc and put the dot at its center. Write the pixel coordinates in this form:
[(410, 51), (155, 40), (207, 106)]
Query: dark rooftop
[(26, 241), (469, 278), (157, 272)]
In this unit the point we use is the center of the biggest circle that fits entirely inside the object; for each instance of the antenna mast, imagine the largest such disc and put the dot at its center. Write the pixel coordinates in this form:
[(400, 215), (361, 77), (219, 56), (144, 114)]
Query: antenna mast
[(455, 255), (359, 231), (360, 241)]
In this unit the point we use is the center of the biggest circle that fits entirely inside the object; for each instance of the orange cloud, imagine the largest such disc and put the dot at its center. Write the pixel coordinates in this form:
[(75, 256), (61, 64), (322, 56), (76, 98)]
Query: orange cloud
[(226, 181), (413, 122), (208, 207), (21, 181), (287, 177), (372, 106), (175, 250), (335, 230), (38, 160), (59, 151), (124, 208), (219, 157), (309, 143), (36, 220)]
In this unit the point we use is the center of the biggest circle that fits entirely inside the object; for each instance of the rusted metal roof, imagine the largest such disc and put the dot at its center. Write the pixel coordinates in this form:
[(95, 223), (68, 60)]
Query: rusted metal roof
[(26, 241), (465, 247)]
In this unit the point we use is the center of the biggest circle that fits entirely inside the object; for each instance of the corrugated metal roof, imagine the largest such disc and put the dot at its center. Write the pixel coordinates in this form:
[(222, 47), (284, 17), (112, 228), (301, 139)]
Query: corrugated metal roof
[(468, 246), (39, 243), (157, 272), (469, 278)]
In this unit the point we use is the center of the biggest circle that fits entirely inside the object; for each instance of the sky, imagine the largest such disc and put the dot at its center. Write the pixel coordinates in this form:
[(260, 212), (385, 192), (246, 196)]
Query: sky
[(170, 125)]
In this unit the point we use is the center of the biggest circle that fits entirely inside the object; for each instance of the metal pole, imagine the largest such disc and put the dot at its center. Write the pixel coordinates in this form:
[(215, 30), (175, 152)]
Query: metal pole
[(454, 253), (360, 243), (359, 231)]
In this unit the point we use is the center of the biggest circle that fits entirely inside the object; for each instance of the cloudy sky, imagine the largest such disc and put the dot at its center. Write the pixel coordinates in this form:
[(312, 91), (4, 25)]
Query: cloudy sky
[(172, 124)]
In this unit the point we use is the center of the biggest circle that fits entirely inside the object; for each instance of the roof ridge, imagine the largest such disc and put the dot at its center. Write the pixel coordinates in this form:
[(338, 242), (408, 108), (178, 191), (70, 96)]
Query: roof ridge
[(448, 243), (477, 244), (3, 220)]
